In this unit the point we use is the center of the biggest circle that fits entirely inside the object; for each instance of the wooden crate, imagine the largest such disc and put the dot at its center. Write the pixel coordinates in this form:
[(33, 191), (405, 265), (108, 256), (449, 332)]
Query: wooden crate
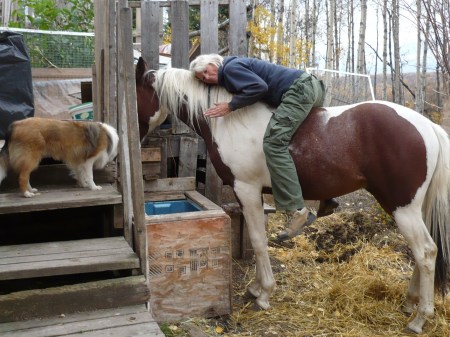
[(189, 262)]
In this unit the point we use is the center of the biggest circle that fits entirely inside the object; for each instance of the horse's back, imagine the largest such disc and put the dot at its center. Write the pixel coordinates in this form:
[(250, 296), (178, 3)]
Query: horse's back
[(374, 145)]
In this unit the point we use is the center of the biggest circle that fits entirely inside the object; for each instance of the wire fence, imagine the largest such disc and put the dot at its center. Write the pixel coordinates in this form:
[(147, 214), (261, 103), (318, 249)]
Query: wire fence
[(56, 49), (344, 88)]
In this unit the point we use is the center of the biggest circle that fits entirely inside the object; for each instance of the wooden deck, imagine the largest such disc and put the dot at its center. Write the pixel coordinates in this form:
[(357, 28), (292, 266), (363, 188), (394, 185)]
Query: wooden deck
[(66, 257), (57, 197), (126, 321)]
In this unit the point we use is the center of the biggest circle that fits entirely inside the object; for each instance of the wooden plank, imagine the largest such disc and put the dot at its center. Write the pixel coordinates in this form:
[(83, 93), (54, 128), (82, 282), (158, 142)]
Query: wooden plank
[(46, 74), (76, 265), (237, 36), (188, 157), (137, 184), (213, 184), (111, 65), (164, 196), (137, 4), (56, 197), (170, 184), (180, 34), (124, 148), (101, 43), (62, 258), (150, 33), (151, 171), (58, 174), (202, 200), (71, 318), (209, 17), (164, 157), (179, 10), (150, 154), (69, 299), (63, 246), (115, 324)]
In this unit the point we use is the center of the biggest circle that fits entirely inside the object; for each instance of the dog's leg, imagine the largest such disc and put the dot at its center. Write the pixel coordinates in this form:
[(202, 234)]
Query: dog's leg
[(24, 184), (85, 175), (31, 189), (25, 168)]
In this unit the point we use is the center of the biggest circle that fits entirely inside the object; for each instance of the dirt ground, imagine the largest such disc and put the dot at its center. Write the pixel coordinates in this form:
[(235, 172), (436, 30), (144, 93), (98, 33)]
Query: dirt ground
[(346, 275)]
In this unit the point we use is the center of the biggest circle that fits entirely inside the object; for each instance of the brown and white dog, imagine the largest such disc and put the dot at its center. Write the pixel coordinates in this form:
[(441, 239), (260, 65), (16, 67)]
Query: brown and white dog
[(81, 145)]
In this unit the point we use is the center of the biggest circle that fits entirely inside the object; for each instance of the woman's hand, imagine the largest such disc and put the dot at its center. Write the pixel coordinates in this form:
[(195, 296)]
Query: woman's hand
[(219, 110)]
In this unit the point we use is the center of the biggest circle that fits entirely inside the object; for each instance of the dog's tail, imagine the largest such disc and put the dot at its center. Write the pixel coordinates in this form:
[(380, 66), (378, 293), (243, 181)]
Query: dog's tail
[(4, 162)]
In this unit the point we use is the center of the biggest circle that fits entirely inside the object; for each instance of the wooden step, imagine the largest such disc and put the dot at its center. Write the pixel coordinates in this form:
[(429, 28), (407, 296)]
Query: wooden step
[(57, 197), (66, 257), (127, 321), (64, 300)]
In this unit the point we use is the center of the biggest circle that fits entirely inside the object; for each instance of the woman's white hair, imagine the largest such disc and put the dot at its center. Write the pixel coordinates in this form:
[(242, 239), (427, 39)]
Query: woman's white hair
[(200, 62)]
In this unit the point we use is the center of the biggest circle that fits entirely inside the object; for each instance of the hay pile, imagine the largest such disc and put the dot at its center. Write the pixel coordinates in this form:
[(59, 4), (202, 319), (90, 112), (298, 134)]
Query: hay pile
[(345, 276)]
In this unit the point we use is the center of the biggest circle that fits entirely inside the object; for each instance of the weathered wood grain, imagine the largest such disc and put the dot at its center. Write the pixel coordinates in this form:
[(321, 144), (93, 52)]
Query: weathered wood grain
[(66, 257), (56, 197)]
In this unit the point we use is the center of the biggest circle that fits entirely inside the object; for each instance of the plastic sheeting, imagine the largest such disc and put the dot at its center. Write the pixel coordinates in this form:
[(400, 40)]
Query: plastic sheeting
[(16, 89), (52, 99)]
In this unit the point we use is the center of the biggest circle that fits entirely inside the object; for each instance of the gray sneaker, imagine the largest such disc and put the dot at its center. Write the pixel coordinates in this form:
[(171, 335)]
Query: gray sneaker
[(296, 221)]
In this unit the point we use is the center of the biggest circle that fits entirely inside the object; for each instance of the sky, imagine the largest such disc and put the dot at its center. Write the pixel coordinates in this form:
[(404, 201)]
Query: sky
[(408, 41)]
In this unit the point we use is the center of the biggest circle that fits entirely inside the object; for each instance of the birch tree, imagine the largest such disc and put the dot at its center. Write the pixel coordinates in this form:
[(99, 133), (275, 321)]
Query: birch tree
[(361, 65), (397, 62), (385, 39), (292, 31)]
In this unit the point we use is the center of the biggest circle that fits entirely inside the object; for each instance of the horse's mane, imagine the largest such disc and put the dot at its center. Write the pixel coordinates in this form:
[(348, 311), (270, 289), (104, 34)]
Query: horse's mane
[(177, 87)]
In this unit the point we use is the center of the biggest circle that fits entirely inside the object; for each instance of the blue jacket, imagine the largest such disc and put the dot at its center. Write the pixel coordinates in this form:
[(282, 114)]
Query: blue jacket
[(251, 80)]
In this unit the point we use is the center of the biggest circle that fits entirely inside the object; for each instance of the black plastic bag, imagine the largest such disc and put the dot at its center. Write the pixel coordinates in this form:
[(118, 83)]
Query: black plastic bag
[(16, 85)]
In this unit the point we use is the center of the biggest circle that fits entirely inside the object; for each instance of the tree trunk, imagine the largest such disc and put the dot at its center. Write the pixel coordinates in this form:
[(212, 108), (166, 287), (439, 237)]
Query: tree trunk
[(361, 65), (419, 94), (292, 31), (395, 36), (280, 38), (272, 25), (385, 39), (331, 5)]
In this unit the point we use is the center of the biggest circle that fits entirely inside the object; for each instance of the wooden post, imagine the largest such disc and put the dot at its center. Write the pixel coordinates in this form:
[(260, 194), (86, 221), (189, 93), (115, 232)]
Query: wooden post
[(188, 157), (137, 185), (124, 153), (180, 54), (150, 33), (238, 28), (209, 17)]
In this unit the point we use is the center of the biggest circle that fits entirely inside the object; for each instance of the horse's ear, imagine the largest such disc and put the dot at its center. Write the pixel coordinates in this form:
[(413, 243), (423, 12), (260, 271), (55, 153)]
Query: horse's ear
[(141, 67)]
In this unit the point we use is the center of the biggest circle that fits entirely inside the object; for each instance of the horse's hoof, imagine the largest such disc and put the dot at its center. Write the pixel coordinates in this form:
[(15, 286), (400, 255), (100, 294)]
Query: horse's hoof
[(254, 290), (263, 306), (256, 307), (413, 329), (408, 309), (249, 295), (327, 207)]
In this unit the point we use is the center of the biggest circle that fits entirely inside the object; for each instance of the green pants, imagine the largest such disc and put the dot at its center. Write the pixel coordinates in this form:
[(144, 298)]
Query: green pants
[(306, 92)]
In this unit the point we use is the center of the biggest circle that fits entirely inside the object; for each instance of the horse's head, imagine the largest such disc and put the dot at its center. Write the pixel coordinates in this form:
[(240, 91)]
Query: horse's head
[(149, 114)]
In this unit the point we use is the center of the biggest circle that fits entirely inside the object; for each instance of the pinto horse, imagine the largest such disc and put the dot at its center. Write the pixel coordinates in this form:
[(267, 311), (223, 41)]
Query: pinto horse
[(398, 155)]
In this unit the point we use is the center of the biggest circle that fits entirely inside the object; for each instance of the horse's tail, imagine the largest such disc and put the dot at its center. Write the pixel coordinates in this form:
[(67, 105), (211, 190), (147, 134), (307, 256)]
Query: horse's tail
[(436, 208)]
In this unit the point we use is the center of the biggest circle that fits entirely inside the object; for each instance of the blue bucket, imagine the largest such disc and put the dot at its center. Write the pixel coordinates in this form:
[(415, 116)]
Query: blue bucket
[(170, 207)]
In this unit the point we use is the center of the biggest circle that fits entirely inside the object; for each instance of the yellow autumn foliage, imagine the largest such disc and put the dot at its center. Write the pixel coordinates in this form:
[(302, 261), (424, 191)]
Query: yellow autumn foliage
[(264, 34)]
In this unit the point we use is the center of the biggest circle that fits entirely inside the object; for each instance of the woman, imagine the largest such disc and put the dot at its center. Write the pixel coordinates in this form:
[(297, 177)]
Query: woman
[(294, 92)]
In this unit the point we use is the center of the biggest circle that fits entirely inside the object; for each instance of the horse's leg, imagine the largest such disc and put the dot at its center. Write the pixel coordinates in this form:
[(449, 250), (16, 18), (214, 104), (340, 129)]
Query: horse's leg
[(412, 227), (412, 296), (327, 207), (252, 208)]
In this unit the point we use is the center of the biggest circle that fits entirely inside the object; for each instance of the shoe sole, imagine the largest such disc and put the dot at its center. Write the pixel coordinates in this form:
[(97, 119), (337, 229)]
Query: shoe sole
[(285, 236)]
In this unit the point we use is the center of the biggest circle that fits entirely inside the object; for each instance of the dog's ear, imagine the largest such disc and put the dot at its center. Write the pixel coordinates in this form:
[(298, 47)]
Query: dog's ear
[(141, 67)]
